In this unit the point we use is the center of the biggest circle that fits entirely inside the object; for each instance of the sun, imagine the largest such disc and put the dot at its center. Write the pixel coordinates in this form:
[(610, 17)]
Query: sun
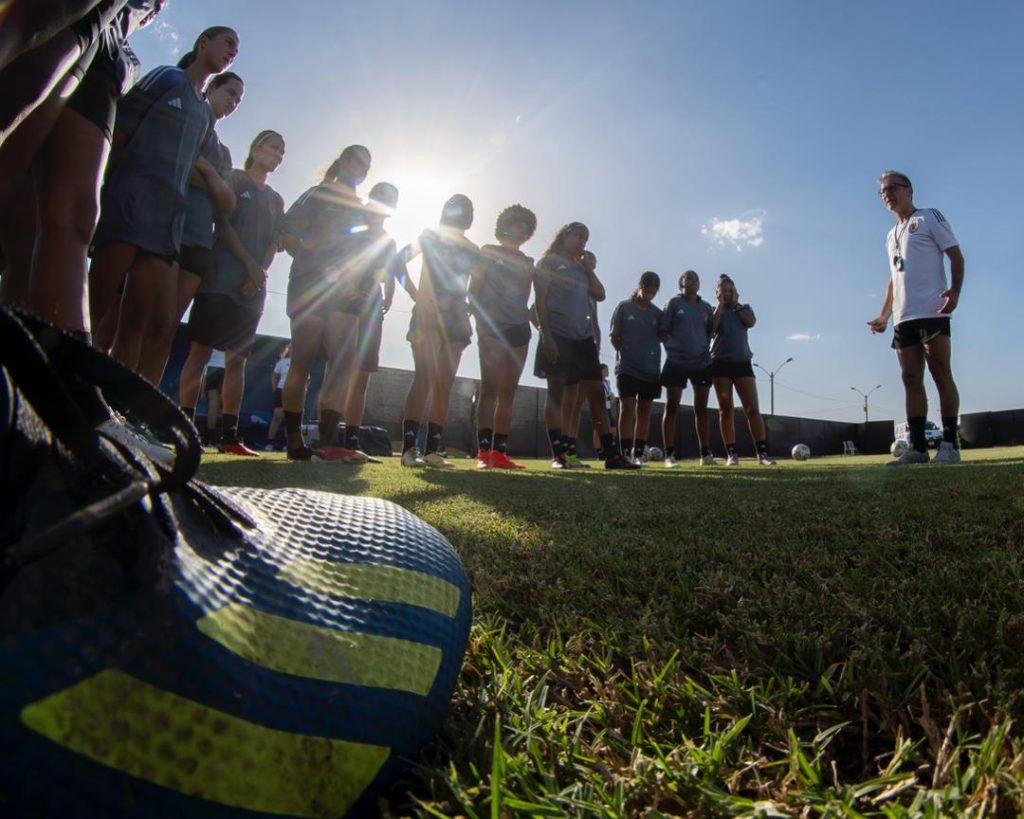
[(421, 194)]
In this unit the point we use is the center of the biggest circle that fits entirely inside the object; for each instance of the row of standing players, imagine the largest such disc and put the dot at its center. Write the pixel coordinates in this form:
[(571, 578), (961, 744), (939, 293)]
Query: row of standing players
[(177, 226)]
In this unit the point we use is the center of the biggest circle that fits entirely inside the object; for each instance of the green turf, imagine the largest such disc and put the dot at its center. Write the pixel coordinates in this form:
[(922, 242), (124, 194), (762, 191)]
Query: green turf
[(821, 638)]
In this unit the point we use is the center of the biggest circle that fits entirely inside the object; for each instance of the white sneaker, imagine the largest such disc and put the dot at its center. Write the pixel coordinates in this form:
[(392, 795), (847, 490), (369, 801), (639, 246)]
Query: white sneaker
[(911, 456), (411, 457), (947, 454), (438, 460), (709, 460), (670, 462), (268, 448), (732, 460), (119, 431), (765, 460)]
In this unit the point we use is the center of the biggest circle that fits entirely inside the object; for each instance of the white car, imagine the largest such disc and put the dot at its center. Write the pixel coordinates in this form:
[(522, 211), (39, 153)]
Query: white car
[(932, 433)]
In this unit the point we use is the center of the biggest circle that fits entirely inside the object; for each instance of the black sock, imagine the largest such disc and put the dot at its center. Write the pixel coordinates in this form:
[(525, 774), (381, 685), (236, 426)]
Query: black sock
[(638, 448), (351, 436), (190, 413), (705, 452), (433, 437), (917, 439), (762, 447), (293, 429), (670, 451), (730, 449), (608, 445), (329, 421), (626, 447), (950, 430), (410, 432), (555, 437), (230, 429), (484, 439), (501, 441), (570, 446)]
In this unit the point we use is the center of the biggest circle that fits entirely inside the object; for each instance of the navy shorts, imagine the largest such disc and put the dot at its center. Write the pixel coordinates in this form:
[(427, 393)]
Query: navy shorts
[(731, 369), (516, 335), (919, 331), (220, 322), (577, 361), (198, 261), (674, 374), (631, 387)]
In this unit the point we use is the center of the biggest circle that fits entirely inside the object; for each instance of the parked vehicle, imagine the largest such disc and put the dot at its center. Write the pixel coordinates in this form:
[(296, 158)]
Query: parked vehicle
[(932, 433)]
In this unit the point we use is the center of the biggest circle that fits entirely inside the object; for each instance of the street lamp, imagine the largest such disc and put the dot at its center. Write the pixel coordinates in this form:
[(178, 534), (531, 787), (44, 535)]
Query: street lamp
[(771, 378), (866, 394)]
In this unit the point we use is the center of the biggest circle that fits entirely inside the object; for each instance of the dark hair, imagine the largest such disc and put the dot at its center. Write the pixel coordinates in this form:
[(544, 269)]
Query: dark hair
[(261, 137), (724, 279), (647, 279), (208, 34), (902, 178), (591, 255), (217, 80), (515, 215), (458, 212), (684, 275), (334, 169), (384, 193), (285, 348), (556, 244)]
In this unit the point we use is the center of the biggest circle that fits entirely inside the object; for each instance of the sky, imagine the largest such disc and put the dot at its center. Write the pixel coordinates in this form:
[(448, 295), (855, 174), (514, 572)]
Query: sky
[(726, 137)]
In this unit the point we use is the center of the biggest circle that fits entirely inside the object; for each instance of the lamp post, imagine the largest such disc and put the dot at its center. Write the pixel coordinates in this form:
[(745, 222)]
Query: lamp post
[(771, 378), (865, 395)]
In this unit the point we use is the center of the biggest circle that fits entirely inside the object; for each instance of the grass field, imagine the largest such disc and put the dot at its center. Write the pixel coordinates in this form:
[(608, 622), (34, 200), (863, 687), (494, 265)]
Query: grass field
[(821, 638)]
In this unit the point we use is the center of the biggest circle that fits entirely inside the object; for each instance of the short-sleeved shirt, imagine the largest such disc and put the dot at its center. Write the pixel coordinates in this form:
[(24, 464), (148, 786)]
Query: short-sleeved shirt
[(503, 300), (323, 220), (370, 255), (730, 343), (164, 122), (281, 371), (448, 262), (568, 299), (199, 210), (639, 348), (921, 242), (257, 220), (688, 325)]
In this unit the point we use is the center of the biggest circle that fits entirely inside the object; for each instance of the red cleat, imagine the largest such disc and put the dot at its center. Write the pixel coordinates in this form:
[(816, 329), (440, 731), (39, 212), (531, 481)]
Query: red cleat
[(485, 459), (339, 453), (500, 460), (237, 448)]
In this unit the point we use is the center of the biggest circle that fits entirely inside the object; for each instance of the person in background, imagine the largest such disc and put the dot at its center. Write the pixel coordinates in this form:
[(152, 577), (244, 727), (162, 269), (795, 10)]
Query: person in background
[(277, 377)]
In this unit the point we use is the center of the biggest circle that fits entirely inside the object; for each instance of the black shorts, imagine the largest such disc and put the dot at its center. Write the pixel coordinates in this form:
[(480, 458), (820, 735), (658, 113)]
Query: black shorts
[(676, 375), (577, 361), (452, 326), (218, 321), (213, 379), (198, 261), (919, 331), (731, 369), (96, 96), (518, 335), (278, 398), (631, 387)]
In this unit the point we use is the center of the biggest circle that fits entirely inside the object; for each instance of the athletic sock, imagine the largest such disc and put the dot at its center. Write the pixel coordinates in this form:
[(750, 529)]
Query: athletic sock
[(433, 437), (570, 446), (730, 449), (351, 436), (638, 448), (917, 439), (762, 447), (950, 430), (230, 429), (670, 452), (626, 446), (484, 439), (293, 429), (555, 438), (190, 413), (501, 441), (329, 420), (608, 445), (705, 452), (410, 432)]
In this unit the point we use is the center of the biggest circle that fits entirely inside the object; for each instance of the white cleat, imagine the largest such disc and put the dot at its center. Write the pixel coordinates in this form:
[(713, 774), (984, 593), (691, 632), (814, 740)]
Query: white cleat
[(765, 460), (732, 460), (708, 460), (438, 460), (911, 456), (119, 431), (670, 462), (411, 457), (947, 454)]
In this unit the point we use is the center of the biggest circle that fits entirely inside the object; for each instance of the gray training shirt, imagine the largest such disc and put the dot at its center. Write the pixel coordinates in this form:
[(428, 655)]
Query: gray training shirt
[(639, 349), (730, 344), (568, 301), (199, 211), (504, 296), (688, 325)]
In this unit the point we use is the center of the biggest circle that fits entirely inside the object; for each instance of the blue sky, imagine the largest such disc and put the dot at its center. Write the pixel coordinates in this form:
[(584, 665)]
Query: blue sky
[(727, 137)]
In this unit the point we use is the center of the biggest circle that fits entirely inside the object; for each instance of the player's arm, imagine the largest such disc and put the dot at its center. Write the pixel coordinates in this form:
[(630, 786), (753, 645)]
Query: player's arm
[(594, 287), (541, 288), (956, 275), (881, 321), (616, 330), (743, 311)]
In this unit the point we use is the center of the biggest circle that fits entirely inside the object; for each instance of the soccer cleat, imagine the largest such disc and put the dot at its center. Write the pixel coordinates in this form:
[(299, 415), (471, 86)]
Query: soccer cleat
[(911, 456), (268, 448), (338, 454), (947, 454), (573, 462), (670, 462), (500, 460), (732, 460), (237, 448), (303, 453), (618, 461), (764, 459), (360, 457), (436, 459), (116, 429), (485, 459), (411, 457), (559, 462), (709, 460)]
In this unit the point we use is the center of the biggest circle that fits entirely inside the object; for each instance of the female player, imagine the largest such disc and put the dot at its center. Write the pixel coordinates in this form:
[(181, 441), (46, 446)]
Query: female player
[(318, 231), (230, 300), (567, 352), (730, 366), (161, 125), (439, 329), (687, 323), (208, 199), (500, 295), (277, 377), (634, 335)]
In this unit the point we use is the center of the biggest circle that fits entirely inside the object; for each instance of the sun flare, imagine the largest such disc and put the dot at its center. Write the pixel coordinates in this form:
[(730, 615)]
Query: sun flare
[(420, 197)]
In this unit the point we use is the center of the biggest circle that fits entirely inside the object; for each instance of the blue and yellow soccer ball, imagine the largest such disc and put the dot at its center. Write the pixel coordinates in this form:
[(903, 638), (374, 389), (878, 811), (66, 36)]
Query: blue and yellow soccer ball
[(296, 676)]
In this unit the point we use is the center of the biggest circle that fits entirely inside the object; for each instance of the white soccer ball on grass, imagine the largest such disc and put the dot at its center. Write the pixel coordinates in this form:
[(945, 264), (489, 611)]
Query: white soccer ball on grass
[(801, 452), (899, 446)]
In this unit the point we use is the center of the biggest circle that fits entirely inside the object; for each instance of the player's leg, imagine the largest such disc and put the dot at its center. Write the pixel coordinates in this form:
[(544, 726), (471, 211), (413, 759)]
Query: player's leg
[(643, 427), (191, 378), (673, 395), (424, 356), (146, 315), (938, 355), (491, 351), (912, 363), (701, 391), (307, 335), (726, 418), (513, 362), (746, 388), (107, 274), (449, 355)]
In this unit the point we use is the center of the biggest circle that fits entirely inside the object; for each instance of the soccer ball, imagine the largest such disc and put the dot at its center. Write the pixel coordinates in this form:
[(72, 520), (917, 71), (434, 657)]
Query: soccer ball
[(899, 446), (801, 452), (653, 453)]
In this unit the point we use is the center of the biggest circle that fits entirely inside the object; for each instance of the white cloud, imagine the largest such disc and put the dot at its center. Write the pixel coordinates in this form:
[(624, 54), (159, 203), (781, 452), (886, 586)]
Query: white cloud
[(735, 233), (803, 337), (166, 34)]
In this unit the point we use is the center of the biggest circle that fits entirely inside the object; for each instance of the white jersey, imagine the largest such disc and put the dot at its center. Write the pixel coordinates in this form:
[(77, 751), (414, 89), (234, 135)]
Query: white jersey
[(281, 371), (917, 284)]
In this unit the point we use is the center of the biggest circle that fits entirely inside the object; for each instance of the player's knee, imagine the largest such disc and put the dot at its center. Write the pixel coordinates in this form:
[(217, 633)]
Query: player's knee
[(911, 378)]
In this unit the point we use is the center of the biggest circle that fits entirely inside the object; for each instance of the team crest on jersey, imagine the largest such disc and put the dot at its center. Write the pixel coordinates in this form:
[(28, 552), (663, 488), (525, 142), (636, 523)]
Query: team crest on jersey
[(913, 226)]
